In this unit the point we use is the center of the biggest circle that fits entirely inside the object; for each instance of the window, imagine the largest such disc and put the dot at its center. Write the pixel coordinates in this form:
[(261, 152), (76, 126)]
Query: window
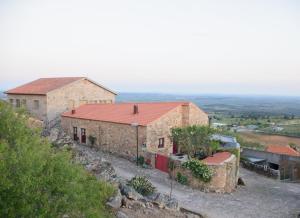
[(18, 104), (83, 135), (11, 101), (161, 142), (24, 102), (36, 104), (75, 136)]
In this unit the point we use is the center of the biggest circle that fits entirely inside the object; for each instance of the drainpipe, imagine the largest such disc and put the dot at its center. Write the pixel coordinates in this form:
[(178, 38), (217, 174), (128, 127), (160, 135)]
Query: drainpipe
[(136, 125)]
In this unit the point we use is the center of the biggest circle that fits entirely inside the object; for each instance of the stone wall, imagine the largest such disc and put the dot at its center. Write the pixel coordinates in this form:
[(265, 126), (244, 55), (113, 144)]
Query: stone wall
[(197, 116), (40, 112), (188, 114), (223, 181), (161, 128), (75, 94), (112, 137)]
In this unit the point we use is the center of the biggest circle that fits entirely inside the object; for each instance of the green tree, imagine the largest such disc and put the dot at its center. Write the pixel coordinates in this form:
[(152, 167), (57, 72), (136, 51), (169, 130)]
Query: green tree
[(40, 181), (191, 139)]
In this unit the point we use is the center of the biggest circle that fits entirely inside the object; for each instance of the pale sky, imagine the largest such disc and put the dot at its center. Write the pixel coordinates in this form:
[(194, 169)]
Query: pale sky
[(186, 46)]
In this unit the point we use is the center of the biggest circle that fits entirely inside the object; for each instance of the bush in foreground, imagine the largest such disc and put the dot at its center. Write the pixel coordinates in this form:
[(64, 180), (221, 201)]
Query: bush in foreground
[(39, 181), (142, 185), (198, 169)]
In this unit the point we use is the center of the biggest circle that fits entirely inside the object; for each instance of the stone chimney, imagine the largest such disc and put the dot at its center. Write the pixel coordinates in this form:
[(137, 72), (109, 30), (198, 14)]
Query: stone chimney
[(135, 109)]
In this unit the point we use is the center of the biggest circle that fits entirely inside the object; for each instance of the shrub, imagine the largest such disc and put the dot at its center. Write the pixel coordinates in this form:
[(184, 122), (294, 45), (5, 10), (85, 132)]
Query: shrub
[(198, 169), (38, 180), (142, 185), (214, 145), (182, 179), (141, 160)]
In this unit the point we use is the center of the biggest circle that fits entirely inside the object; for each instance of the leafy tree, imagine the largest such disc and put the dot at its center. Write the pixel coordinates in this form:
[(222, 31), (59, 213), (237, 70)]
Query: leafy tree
[(192, 138), (39, 181)]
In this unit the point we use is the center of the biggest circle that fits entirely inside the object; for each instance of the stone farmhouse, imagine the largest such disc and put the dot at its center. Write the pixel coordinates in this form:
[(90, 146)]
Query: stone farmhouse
[(116, 127), (47, 98)]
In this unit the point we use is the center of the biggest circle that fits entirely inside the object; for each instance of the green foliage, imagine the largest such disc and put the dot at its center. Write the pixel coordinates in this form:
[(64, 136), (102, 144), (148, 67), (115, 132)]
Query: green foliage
[(182, 179), (92, 140), (214, 145), (191, 139), (142, 185), (198, 169), (40, 181), (141, 160)]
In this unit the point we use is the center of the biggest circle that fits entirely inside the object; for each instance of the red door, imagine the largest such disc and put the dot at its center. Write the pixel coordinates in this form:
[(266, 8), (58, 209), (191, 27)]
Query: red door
[(161, 163)]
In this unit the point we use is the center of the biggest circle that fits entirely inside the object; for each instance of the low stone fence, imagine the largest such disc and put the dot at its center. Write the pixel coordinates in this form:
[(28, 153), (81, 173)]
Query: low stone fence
[(223, 180), (262, 169)]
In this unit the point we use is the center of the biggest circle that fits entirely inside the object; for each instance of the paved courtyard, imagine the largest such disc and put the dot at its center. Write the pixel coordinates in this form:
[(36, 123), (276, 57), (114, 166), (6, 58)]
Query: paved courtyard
[(261, 197)]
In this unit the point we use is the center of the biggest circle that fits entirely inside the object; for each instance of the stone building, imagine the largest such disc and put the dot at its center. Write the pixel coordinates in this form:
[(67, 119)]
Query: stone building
[(47, 98), (116, 127), (280, 162)]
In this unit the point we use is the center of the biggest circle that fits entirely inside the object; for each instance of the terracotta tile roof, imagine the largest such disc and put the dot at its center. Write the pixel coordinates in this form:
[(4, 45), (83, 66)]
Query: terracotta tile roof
[(278, 149), (217, 158), (123, 112), (43, 85)]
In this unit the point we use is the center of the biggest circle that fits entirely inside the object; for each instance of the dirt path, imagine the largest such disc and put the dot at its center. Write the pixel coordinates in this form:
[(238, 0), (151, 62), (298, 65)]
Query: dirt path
[(261, 197)]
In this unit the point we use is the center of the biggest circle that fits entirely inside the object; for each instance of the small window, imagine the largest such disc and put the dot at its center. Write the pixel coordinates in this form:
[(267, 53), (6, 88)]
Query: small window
[(24, 102), (11, 101), (18, 103), (161, 142), (36, 104), (75, 136)]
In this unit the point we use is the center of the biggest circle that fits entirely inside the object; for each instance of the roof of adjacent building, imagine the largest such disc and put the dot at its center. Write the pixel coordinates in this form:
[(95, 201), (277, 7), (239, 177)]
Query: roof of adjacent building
[(44, 85), (217, 158), (123, 112), (286, 150), (226, 141)]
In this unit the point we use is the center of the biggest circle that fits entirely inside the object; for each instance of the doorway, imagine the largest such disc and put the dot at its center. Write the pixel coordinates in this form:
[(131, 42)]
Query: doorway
[(83, 135)]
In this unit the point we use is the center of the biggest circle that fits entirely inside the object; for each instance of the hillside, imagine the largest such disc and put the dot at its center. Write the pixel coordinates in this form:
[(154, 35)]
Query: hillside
[(225, 104)]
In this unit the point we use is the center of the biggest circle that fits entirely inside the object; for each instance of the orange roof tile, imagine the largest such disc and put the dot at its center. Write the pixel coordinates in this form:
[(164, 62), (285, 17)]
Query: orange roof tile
[(278, 149), (43, 85), (217, 158), (123, 112)]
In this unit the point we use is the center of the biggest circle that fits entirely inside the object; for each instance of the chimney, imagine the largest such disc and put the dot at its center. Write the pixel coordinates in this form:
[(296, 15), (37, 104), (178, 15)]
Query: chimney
[(135, 109), (73, 111)]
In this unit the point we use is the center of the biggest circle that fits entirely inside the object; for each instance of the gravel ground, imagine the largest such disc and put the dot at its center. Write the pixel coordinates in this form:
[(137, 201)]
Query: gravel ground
[(261, 197)]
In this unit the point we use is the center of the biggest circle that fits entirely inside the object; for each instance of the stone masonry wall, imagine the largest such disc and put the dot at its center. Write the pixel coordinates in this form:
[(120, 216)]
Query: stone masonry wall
[(188, 114), (112, 137), (223, 180), (161, 128), (40, 113), (75, 94), (197, 116)]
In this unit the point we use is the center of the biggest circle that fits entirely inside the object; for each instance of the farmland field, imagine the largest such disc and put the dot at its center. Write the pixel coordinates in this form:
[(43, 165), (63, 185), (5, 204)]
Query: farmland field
[(265, 139)]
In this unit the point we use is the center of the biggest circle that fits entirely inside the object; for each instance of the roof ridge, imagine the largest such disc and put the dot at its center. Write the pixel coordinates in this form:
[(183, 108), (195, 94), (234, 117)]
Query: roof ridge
[(123, 112)]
